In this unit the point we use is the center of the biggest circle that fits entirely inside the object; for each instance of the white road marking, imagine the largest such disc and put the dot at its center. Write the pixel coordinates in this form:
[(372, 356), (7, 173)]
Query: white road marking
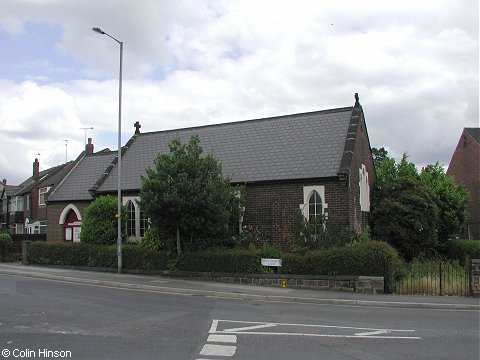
[(213, 328), (343, 331), (251, 327), (379, 332), (218, 350), (223, 338)]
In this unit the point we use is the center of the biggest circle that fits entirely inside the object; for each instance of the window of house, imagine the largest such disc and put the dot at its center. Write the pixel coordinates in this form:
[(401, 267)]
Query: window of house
[(314, 207), (42, 227), (130, 219), (16, 203), (144, 224), (42, 195), (364, 189), (315, 212)]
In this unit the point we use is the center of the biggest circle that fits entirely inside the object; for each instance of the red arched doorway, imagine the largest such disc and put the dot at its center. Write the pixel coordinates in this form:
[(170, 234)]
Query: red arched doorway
[(71, 227)]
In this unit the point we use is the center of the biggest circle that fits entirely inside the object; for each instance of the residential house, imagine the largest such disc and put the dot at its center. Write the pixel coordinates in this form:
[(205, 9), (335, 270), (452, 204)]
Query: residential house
[(319, 162), (67, 203), (24, 206), (465, 169), (11, 209)]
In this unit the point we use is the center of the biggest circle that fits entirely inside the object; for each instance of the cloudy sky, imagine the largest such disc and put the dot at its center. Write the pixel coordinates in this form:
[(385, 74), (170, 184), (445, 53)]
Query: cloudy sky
[(196, 62)]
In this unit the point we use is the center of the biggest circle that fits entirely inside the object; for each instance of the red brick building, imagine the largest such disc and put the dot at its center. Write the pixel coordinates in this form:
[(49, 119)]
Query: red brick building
[(319, 162), (465, 168)]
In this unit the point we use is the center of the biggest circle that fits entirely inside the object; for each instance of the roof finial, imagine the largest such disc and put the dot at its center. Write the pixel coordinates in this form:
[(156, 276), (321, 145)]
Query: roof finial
[(357, 100), (137, 128)]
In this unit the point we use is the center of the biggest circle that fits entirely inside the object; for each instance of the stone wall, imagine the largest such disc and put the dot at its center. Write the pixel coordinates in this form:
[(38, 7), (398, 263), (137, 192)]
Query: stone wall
[(475, 277), (357, 284)]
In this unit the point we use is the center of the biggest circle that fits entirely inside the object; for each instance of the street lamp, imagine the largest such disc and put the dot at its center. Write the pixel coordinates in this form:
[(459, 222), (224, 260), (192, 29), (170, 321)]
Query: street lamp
[(119, 156)]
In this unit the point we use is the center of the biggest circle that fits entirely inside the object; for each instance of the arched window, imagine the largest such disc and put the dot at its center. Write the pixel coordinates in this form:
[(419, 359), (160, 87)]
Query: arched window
[(143, 223), (315, 210), (130, 219)]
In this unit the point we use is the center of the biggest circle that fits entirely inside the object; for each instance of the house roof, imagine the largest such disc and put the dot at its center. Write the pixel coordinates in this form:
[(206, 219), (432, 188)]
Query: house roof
[(475, 133), (9, 190), (299, 146), (48, 177), (82, 177)]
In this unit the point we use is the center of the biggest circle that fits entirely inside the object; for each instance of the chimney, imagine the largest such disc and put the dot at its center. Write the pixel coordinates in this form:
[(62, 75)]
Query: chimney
[(89, 147), (4, 181), (36, 169)]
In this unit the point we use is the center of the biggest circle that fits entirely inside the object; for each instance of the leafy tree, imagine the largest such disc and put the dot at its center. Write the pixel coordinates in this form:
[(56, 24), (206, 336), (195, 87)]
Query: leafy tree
[(415, 212), (100, 223), (187, 195), (405, 214), (379, 155), (452, 199)]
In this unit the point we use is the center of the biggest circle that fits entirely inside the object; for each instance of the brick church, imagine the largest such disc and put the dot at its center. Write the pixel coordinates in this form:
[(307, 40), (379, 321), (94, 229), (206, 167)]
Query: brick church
[(319, 162)]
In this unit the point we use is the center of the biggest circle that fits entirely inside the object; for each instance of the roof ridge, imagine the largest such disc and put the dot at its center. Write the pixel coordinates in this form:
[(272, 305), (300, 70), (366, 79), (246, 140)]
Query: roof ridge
[(319, 112)]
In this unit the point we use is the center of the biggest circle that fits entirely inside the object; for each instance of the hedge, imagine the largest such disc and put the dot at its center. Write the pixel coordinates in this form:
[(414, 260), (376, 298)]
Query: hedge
[(83, 254), (222, 260), (370, 258), (463, 249)]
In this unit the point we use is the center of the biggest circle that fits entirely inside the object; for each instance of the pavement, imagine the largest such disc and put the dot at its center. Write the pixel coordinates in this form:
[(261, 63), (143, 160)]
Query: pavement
[(181, 286)]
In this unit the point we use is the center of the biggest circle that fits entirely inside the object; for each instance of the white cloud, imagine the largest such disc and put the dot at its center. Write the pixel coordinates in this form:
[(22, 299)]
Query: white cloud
[(414, 63)]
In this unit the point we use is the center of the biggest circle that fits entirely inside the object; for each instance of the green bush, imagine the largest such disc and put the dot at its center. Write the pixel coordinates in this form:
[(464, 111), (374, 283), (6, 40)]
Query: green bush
[(370, 258), (222, 260), (5, 239), (100, 222), (82, 254), (463, 249)]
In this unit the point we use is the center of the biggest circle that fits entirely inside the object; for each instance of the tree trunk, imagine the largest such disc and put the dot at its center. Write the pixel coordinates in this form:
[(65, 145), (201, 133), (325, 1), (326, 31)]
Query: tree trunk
[(179, 249)]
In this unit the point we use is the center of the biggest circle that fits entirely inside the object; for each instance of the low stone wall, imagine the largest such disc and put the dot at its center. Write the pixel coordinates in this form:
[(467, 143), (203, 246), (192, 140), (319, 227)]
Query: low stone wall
[(475, 277), (358, 284)]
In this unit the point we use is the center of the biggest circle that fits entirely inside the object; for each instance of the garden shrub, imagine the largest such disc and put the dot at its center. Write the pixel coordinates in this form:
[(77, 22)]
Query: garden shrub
[(371, 258), (82, 254), (222, 260), (5, 239), (463, 249)]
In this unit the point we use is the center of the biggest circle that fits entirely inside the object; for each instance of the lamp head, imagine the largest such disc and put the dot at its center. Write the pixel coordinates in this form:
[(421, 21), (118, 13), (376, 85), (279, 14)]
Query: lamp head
[(98, 30)]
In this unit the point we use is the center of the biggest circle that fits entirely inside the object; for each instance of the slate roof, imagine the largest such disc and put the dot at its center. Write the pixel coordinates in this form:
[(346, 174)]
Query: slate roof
[(83, 176), (299, 146), (475, 133), (49, 177)]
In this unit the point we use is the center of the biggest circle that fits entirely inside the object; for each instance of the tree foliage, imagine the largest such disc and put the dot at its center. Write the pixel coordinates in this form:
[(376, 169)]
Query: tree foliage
[(186, 194), (452, 199), (99, 224), (416, 212)]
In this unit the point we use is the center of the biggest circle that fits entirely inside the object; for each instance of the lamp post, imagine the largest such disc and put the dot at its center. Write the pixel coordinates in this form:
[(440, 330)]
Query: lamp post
[(119, 156)]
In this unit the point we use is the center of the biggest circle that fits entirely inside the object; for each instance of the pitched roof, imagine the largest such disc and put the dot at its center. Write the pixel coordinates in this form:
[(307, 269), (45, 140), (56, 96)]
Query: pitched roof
[(82, 177), (48, 177), (299, 146), (475, 133)]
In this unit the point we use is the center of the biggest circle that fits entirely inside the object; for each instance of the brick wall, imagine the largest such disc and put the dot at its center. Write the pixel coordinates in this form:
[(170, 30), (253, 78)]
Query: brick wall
[(269, 206), (54, 210), (465, 168), (362, 155)]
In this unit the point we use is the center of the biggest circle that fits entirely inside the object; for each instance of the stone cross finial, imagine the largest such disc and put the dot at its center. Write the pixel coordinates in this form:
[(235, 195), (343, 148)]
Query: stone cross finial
[(357, 100), (137, 128)]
